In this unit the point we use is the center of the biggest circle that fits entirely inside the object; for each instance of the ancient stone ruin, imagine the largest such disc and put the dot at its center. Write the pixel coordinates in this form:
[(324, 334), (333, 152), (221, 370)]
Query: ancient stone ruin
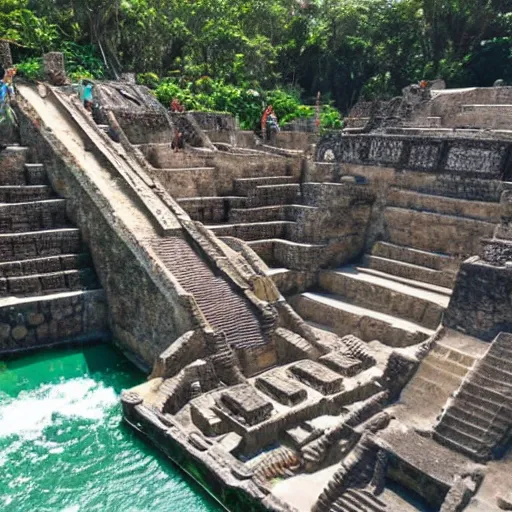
[(324, 328)]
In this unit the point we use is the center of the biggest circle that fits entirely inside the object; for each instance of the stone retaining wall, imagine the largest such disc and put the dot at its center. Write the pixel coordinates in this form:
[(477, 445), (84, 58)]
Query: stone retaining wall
[(147, 309), (41, 321)]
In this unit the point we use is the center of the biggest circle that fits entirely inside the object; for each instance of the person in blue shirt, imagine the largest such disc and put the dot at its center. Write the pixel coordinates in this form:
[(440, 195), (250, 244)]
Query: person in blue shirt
[(7, 96)]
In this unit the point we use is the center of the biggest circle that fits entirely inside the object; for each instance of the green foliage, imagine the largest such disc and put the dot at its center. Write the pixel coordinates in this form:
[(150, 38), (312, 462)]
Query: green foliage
[(21, 25), (82, 61), (150, 80), (31, 69), (340, 48), (330, 118), (247, 103)]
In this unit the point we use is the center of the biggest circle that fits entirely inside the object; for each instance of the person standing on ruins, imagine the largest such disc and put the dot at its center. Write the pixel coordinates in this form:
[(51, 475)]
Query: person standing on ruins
[(269, 124), (7, 97)]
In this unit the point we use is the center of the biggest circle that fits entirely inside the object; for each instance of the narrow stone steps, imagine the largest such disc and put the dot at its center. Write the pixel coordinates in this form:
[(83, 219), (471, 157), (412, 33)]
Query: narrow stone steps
[(54, 242), (473, 396), (51, 282), (455, 445), (485, 380), (343, 505), (498, 364), (478, 429), (254, 230), (371, 502), (464, 439), (214, 209), (224, 309), (500, 368), (260, 214), (279, 252), (430, 390), (454, 355), (482, 391), (33, 216), (385, 295), (439, 374), (434, 232), (500, 351), (411, 255), (448, 365), (410, 271), (343, 317), (45, 265), (407, 281), (412, 200), (24, 193), (271, 195), (243, 186), (472, 413)]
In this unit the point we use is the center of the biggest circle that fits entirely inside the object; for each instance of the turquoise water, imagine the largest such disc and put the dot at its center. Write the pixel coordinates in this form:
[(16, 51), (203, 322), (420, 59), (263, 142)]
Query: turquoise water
[(63, 447)]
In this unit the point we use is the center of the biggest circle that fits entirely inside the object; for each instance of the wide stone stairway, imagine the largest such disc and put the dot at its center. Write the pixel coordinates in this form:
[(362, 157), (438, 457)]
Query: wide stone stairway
[(48, 288), (399, 290)]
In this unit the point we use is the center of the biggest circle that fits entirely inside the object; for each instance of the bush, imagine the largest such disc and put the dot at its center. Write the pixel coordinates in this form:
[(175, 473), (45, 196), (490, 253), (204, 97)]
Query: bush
[(151, 80), (80, 73), (330, 118), (246, 103), (31, 69)]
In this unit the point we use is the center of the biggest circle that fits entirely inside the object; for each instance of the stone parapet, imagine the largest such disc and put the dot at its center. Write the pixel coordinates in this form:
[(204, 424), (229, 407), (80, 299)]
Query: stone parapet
[(485, 159)]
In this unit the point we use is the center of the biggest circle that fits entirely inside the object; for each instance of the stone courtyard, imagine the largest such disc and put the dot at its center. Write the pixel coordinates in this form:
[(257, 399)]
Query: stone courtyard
[(325, 322)]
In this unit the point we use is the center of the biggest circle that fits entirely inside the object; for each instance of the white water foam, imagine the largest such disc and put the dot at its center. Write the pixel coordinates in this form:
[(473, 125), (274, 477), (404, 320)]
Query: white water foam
[(31, 412)]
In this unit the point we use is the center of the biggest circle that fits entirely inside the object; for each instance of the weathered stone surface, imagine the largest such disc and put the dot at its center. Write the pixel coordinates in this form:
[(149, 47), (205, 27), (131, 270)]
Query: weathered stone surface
[(19, 332), (35, 319)]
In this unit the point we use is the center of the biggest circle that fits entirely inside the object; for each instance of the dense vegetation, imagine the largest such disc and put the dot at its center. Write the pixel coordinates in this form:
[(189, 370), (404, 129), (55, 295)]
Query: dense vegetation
[(217, 53)]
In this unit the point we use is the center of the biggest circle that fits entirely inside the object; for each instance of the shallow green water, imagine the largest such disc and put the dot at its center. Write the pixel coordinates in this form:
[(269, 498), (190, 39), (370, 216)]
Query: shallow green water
[(63, 447)]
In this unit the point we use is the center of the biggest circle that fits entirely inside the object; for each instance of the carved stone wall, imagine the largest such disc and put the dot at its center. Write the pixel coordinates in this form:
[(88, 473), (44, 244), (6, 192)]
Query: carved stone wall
[(471, 158)]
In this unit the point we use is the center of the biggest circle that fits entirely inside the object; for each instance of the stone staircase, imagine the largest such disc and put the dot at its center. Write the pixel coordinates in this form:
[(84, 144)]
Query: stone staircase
[(359, 500), (224, 309), (440, 373), (262, 211), (478, 420), (46, 275), (399, 292), (374, 305)]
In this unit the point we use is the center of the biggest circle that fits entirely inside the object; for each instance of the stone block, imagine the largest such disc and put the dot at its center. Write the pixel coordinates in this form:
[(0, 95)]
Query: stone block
[(246, 403), (19, 332), (281, 389), (35, 319), (345, 365), (317, 376), (5, 332)]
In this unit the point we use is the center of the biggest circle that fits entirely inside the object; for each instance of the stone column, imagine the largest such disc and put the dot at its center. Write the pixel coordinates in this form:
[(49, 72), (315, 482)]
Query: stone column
[(5, 54), (54, 68), (129, 78)]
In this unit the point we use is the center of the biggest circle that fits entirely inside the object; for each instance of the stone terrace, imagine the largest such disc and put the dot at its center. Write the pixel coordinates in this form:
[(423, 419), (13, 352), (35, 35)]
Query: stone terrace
[(48, 288), (428, 217)]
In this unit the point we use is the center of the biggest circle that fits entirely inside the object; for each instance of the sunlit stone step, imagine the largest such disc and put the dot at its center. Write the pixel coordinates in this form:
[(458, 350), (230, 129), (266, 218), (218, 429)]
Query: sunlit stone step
[(343, 317)]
